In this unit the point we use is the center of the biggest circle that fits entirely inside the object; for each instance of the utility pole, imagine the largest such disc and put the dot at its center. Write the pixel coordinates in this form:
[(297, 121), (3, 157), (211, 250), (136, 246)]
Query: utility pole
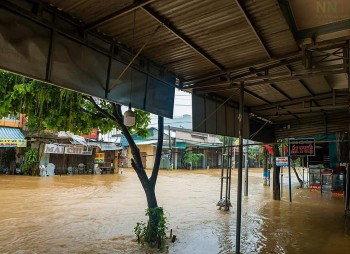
[(170, 148), (246, 169)]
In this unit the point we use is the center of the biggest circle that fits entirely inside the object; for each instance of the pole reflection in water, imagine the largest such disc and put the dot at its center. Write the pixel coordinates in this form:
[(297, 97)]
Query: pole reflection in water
[(97, 214)]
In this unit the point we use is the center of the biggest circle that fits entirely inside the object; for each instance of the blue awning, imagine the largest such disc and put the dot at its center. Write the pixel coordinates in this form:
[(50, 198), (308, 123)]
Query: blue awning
[(11, 137)]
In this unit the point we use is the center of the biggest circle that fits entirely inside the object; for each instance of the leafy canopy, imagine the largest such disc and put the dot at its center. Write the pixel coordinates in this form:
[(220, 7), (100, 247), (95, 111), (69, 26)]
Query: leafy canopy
[(52, 108)]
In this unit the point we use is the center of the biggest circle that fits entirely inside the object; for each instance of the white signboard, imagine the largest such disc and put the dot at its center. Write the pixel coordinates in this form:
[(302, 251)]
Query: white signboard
[(61, 149), (73, 149), (53, 148), (282, 161)]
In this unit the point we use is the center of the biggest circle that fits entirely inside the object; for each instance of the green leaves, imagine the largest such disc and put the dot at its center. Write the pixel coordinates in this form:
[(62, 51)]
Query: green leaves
[(57, 109), (155, 230), (191, 158), (30, 161)]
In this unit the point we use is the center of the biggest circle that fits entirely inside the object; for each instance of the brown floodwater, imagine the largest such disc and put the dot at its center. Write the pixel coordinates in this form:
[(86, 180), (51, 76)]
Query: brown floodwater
[(97, 214)]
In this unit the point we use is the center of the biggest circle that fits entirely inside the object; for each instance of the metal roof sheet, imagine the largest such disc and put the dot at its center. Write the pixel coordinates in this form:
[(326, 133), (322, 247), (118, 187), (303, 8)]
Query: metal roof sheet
[(218, 40)]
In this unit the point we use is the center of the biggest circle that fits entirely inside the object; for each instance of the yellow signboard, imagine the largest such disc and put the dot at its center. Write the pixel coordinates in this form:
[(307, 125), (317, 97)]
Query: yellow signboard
[(13, 143)]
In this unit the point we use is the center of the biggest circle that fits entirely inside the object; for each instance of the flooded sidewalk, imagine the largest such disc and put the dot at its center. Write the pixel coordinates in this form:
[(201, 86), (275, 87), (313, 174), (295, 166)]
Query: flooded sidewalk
[(97, 214)]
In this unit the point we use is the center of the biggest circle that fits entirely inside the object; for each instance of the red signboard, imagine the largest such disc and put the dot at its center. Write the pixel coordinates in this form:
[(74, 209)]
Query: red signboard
[(302, 147), (93, 134)]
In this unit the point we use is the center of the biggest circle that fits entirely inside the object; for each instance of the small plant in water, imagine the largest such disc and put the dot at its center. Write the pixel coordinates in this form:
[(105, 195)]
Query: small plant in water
[(154, 232)]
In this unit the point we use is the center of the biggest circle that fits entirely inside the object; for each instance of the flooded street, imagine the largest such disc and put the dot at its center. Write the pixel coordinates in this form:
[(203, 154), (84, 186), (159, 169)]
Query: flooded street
[(97, 214)]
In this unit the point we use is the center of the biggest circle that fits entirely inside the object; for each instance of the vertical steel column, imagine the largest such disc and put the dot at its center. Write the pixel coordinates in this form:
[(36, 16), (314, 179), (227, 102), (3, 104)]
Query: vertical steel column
[(222, 169), (229, 176), (227, 201), (246, 169), (170, 150), (308, 171), (240, 166), (347, 185), (289, 175)]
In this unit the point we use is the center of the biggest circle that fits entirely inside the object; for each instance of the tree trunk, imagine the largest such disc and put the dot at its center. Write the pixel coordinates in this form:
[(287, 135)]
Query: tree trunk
[(148, 184), (276, 176), (301, 183)]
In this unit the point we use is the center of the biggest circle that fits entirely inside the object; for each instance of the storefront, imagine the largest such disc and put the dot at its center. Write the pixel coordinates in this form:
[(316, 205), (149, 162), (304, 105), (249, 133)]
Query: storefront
[(12, 142), (75, 158), (68, 157)]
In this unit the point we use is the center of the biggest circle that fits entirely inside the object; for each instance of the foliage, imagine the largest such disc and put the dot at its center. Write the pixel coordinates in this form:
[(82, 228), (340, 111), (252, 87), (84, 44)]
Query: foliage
[(30, 161), (53, 108), (57, 109), (191, 158), (149, 233)]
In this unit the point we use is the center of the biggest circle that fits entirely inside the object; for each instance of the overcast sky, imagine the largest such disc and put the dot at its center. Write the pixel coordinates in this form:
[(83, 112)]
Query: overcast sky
[(183, 103), (182, 106)]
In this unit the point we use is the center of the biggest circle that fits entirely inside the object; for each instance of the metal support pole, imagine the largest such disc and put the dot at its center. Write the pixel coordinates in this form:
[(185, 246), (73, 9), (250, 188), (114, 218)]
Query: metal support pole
[(240, 166), (229, 177), (227, 207), (281, 190), (222, 169), (303, 168), (347, 190), (308, 171), (170, 148), (246, 170), (234, 157), (289, 177)]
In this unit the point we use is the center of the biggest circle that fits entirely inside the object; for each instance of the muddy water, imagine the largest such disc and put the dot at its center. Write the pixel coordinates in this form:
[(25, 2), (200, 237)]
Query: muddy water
[(96, 214)]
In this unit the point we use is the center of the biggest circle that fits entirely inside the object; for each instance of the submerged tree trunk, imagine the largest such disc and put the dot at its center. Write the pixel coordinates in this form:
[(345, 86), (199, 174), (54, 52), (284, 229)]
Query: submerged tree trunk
[(301, 183), (276, 176), (148, 184)]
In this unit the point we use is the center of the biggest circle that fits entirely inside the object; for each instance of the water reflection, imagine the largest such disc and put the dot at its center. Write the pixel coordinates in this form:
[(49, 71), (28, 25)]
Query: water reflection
[(96, 214)]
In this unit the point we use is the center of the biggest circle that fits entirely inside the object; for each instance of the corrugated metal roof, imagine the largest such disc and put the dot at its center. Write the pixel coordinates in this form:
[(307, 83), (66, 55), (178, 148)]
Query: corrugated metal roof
[(202, 38)]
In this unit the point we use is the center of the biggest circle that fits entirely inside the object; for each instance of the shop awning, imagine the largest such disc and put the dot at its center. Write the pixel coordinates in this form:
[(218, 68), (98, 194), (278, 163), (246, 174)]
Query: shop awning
[(12, 137), (109, 147)]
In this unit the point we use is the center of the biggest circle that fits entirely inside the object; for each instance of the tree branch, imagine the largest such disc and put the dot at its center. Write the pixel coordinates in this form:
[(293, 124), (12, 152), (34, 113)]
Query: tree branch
[(92, 114), (153, 178), (117, 110), (137, 162), (101, 110)]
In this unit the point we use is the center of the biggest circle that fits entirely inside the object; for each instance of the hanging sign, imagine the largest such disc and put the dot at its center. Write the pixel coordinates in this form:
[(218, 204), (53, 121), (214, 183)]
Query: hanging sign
[(282, 161), (62, 149), (73, 149), (54, 148), (302, 147), (99, 157)]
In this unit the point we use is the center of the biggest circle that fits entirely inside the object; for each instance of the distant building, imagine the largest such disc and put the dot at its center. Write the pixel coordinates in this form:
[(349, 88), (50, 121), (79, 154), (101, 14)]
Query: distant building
[(180, 140), (12, 142), (184, 121)]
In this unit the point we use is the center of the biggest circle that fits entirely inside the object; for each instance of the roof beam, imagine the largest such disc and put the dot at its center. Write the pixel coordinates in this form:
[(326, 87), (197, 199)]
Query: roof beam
[(310, 32), (324, 29), (257, 96), (223, 85), (280, 91), (240, 4), (276, 111), (116, 14), (322, 96), (242, 71), (168, 25)]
